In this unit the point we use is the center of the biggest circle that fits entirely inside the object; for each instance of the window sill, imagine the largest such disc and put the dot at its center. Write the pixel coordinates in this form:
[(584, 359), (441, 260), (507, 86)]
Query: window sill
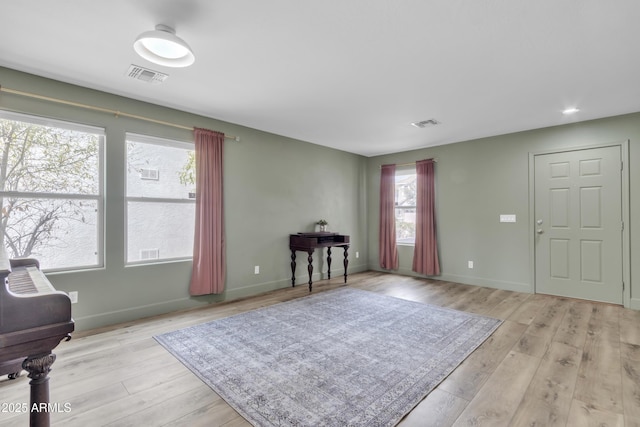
[(157, 261)]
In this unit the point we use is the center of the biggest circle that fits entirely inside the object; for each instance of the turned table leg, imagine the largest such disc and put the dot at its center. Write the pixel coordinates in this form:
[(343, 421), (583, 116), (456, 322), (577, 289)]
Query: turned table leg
[(346, 262), (39, 367), (293, 268), (310, 266)]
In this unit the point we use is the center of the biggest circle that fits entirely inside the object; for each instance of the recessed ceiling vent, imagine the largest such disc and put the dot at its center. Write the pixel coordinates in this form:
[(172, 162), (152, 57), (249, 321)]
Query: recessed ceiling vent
[(425, 123), (146, 75)]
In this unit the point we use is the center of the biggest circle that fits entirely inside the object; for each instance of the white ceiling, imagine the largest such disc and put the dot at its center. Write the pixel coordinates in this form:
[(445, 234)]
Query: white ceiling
[(350, 74)]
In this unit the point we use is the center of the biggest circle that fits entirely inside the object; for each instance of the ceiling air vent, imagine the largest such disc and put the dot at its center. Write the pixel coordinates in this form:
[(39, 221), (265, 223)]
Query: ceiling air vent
[(426, 123), (146, 75)]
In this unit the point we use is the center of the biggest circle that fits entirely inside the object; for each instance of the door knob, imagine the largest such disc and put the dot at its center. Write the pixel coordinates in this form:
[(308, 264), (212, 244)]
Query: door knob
[(539, 231), (539, 222)]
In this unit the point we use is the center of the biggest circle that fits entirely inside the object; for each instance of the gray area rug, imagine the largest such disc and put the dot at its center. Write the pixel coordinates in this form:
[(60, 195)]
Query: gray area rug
[(344, 357)]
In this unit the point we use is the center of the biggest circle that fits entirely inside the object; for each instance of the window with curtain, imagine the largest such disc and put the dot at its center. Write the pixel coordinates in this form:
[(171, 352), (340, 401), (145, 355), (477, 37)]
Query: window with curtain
[(51, 191), (425, 255), (209, 270), (160, 199), (387, 244), (405, 205)]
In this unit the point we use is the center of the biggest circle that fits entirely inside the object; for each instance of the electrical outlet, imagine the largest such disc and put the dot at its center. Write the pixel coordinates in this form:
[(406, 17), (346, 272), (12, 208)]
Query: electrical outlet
[(73, 296), (470, 264), (256, 269)]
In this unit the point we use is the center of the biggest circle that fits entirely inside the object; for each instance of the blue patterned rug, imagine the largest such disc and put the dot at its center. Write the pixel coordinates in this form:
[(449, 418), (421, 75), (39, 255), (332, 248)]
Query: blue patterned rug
[(344, 357)]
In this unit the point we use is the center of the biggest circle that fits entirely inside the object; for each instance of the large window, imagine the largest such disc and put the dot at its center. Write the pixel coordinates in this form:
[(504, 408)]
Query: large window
[(406, 206), (160, 199), (51, 191)]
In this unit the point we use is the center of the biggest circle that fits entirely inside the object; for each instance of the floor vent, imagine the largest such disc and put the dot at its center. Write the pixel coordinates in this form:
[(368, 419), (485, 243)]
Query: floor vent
[(146, 75)]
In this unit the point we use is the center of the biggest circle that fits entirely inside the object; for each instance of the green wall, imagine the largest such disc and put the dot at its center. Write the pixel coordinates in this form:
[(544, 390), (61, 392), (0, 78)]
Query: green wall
[(478, 180), (273, 186)]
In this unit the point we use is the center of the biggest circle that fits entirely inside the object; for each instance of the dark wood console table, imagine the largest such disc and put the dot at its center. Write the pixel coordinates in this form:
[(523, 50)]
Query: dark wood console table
[(308, 242)]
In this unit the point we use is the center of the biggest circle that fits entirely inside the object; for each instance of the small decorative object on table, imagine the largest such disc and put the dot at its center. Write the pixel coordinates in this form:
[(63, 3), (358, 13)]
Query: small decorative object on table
[(323, 224)]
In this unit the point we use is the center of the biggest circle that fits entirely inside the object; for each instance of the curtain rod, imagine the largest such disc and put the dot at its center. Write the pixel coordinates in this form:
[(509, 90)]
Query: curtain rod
[(412, 163), (103, 110)]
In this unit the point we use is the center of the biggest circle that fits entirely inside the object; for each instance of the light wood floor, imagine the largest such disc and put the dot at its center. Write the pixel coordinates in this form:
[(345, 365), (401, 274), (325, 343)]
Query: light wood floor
[(553, 362)]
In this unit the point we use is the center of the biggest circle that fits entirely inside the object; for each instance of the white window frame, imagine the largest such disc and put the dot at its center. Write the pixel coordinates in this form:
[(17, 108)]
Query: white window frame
[(147, 139), (403, 172), (98, 198)]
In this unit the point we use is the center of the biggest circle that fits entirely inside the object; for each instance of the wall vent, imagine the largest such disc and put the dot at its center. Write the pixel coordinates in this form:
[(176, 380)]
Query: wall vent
[(149, 254), (425, 123), (146, 75), (153, 174)]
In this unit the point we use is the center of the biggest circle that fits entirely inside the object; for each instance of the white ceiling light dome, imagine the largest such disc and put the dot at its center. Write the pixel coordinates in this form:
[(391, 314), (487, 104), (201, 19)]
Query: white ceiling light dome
[(162, 46)]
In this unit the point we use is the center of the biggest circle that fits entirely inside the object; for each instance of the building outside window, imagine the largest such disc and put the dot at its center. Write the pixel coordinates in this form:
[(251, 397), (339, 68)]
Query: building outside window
[(51, 191), (160, 199), (405, 206)]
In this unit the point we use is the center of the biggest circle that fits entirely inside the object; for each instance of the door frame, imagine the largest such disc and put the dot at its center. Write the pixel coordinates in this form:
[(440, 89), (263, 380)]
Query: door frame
[(626, 236)]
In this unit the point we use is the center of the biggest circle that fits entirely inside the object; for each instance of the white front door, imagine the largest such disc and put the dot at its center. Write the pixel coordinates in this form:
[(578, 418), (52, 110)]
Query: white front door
[(578, 229)]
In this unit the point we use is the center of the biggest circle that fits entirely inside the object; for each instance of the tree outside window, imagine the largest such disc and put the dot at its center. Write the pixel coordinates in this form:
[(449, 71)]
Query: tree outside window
[(51, 191)]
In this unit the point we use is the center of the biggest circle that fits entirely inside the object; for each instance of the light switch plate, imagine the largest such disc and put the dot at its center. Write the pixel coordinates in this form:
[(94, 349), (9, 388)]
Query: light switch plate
[(508, 218)]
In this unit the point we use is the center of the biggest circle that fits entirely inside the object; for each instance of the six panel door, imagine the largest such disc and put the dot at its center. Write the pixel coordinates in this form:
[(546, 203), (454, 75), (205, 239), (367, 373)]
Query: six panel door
[(578, 229)]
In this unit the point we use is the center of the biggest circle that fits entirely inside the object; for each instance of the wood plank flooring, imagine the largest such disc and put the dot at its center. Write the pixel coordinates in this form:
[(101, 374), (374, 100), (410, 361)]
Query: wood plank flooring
[(553, 362)]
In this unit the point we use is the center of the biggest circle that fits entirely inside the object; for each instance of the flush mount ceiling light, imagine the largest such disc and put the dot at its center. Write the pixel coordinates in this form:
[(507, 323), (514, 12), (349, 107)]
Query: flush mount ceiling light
[(162, 46), (569, 111)]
